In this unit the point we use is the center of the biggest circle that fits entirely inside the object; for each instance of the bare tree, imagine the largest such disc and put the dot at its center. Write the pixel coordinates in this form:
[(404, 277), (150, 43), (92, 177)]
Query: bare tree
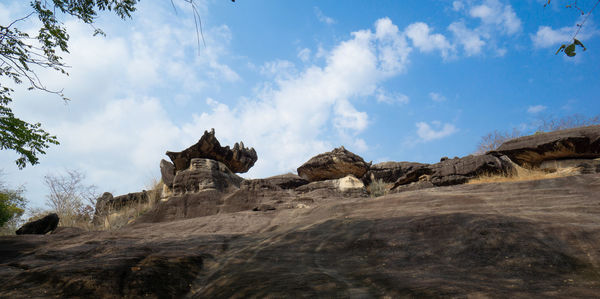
[(493, 140), (69, 197)]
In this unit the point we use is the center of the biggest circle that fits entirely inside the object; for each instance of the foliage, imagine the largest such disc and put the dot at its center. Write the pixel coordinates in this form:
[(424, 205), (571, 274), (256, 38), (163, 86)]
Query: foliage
[(12, 204), (378, 188), (70, 198), (569, 49), (21, 53)]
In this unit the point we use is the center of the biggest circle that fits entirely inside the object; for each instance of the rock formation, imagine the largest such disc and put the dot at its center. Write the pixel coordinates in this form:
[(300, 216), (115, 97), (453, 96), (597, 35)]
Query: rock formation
[(531, 151), (455, 171), (285, 181), (390, 172), (239, 159), (205, 174), (40, 226), (348, 186), (333, 165), (167, 172)]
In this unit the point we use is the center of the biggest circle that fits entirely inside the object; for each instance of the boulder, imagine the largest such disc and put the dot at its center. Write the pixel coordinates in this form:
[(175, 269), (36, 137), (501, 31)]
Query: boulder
[(205, 174), (167, 172), (333, 165), (390, 172), (239, 159), (531, 151), (454, 171), (40, 226), (108, 203), (348, 186)]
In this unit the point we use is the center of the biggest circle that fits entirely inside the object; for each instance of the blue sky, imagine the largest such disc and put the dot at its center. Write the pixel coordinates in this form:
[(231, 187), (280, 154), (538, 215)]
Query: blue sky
[(389, 80)]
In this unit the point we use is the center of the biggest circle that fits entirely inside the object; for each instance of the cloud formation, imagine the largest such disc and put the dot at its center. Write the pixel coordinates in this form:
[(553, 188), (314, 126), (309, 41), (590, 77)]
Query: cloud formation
[(536, 109), (434, 130), (422, 38)]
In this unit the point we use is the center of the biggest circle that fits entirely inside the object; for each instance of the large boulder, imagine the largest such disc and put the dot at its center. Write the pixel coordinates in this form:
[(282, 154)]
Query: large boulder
[(239, 159), (287, 181), (107, 203), (531, 151), (333, 165), (167, 172), (390, 172), (40, 226), (205, 174), (455, 171)]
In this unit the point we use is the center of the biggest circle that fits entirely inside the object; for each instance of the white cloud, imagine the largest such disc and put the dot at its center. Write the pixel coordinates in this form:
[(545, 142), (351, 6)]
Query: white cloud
[(493, 12), (436, 97), (547, 37), (323, 18), (420, 34), (384, 97), (469, 39), (304, 55), (457, 5), (536, 109), (428, 132)]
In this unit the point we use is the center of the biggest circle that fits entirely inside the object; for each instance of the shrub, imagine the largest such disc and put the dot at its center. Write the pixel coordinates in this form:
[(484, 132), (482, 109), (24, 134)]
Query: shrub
[(378, 188)]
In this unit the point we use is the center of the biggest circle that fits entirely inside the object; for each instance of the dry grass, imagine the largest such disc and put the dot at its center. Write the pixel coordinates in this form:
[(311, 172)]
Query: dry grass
[(523, 174), (378, 188)]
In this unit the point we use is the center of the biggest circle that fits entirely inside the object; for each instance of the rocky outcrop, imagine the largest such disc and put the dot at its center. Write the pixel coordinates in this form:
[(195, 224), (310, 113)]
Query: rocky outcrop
[(167, 172), (455, 171), (391, 172), (348, 186), (205, 174), (239, 159), (333, 165), (40, 226), (531, 151), (107, 203), (285, 181)]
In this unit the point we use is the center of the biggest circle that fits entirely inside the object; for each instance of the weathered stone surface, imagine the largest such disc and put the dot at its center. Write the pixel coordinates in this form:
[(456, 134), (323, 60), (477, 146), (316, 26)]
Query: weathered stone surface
[(287, 181), (455, 171), (205, 174), (531, 151), (532, 239), (587, 165), (40, 226), (390, 172), (167, 172), (333, 165), (348, 186), (239, 159)]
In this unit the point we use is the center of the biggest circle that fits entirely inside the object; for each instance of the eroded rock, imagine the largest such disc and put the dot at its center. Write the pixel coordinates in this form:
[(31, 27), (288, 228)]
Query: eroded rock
[(167, 172), (239, 159), (40, 226), (531, 151), (391, 172), (205, 174), (333, 165), (348, 186)]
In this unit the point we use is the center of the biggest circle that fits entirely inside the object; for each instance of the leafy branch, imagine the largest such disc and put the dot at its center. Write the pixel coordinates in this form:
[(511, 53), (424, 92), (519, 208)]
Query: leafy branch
[(569, 49)]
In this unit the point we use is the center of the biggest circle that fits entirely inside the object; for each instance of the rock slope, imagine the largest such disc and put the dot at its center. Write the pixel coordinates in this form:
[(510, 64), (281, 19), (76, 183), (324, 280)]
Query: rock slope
[(523, 239)]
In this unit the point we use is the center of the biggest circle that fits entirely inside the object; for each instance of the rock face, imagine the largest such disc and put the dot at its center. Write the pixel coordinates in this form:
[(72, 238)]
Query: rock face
[(167, 172), (40, 226), (532, 239), (455, 171), (390, 172), (333, 165), (239, 159), (348, 186), (205, 174), (287, 181), (531, 151), (107, 203)]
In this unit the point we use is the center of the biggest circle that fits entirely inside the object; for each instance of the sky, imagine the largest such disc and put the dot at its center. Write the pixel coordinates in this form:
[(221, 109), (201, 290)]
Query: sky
[(389, 80)]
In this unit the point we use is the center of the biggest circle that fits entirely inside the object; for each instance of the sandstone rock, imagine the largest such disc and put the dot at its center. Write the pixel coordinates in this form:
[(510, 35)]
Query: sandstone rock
[(587, 165), (205, 174), (108, 203), (40, 226), (455, 171), (167, 172), (531, 151), (239, 159), (390, 172), (286, 181), (348, 186), (333, 165)]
